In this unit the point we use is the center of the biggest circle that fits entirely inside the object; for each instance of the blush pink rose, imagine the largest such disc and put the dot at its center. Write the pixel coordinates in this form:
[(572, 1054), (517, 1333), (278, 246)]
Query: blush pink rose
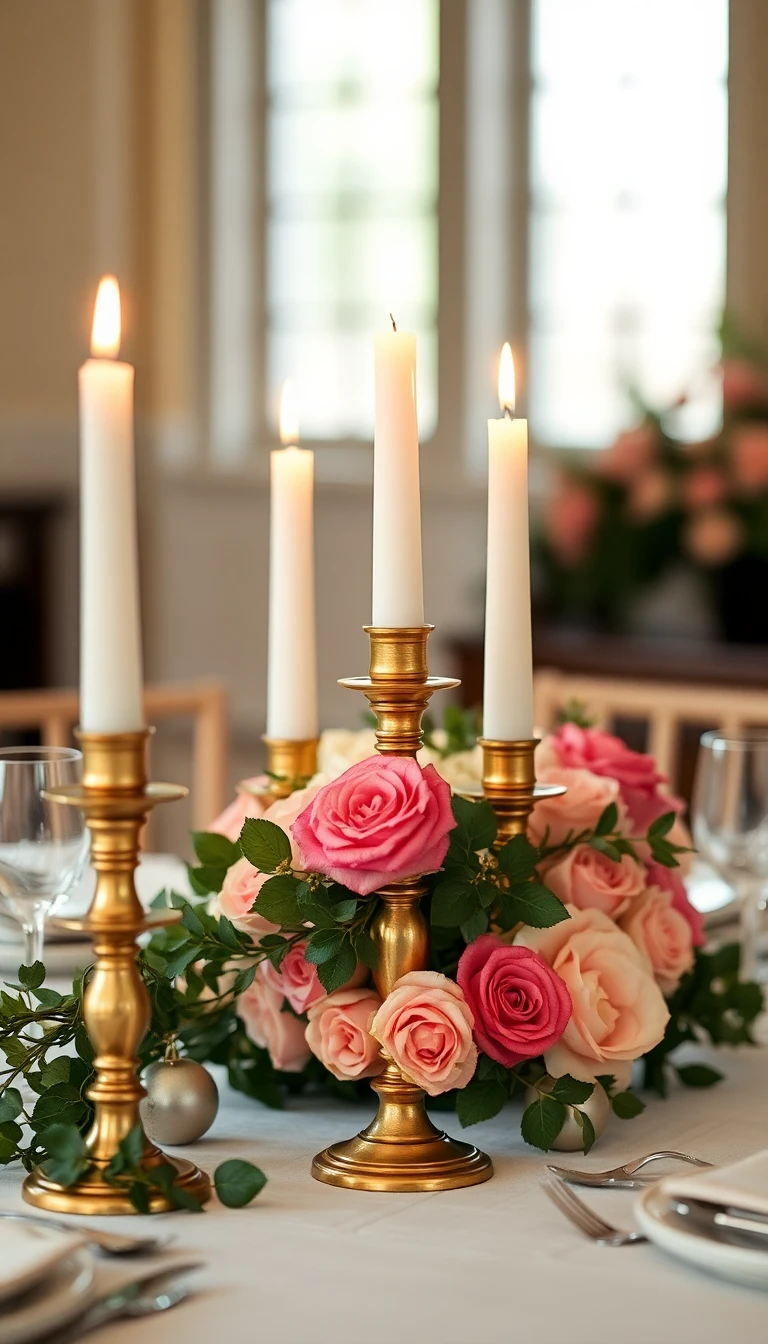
[(713, 537), (749, 455), (519, 1005), (282, 1034), (577, 810), (640, 782), (671, 880), (590, 880), (298, 980), (241, 886), (339, 1033), (619, 1011), (662, 934), (651, 492), (245, 804), (384, 819), (425, 1026), (702, 487)]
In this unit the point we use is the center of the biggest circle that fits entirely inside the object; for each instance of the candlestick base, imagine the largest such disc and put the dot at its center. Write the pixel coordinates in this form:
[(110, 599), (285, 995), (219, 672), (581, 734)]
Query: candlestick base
[(92, 1197), (291, 763)]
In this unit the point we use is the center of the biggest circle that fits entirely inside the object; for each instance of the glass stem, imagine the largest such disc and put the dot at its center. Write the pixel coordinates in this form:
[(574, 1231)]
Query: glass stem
[(750, 892), (34, 934)]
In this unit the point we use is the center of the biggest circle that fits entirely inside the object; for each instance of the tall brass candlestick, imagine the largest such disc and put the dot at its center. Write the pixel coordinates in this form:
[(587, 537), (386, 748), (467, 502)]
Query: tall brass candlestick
[(401, 1149), (116, 799)]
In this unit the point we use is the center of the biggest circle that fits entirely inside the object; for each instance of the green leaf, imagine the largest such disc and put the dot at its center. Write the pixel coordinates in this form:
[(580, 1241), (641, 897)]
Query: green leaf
[(278, 903), (56, 1072), (607, 820), (570, 1090), (480, 1100), (697, 1075), (215, 850), (345, 910), (67, 1157), (662, 825), (542, 1121), (10, 1104), (588, 1135), (477, 826), (243, 980), (366, 950), (453, 902), (139, 1196), (238, 1182), (228, 934), (532, 903), (605, 847), (58, 1105), (336, 971), (323, 945), (47, 998), (475, 926), (31, 977), (518, 859), (607, 1081), (178, 964), (206, 879), (264, 844), (190, 920), (626, 1105)]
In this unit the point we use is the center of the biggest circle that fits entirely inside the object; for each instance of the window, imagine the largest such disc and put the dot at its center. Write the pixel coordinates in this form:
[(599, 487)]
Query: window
[(352, 195), (628, 169)]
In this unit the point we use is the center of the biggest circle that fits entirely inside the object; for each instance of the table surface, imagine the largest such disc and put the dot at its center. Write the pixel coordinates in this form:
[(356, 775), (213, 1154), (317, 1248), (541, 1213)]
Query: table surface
[(309, 1264)]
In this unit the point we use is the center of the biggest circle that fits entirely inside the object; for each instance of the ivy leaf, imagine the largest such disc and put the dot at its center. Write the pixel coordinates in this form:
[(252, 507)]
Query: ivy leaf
[(588, 1135), (626, 1105), (264, 844), (453, 902), (277, 901), (67, 1157), (532, 903), (697, 1075), (607, 820), (215, 850), (542, 1121), (58, 1105), (56, 1072), (480, 1100), (475, 926), (570, 1090), (10, 1104), (518, 859), (337, 970), (238, 1182), (31, 977)]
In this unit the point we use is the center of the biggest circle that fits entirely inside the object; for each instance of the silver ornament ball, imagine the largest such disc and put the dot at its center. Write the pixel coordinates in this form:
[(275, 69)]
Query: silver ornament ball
[(181, 1102), (570, 1139)]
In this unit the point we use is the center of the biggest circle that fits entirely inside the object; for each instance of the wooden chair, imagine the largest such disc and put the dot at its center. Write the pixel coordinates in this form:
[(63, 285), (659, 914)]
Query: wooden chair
[(666, 707), (55, 713)]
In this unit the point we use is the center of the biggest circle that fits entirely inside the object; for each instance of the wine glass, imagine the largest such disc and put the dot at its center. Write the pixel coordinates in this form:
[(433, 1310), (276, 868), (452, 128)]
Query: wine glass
[(730, 821), (43, 845)]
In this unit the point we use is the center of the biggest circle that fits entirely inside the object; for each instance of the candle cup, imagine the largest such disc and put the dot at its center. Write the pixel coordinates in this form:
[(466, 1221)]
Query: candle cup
[(401, 1149), (509, 784), (290, 764), (116, 799)]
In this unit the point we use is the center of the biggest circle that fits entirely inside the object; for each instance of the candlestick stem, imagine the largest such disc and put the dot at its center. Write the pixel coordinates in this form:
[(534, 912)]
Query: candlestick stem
[(401, 1149)]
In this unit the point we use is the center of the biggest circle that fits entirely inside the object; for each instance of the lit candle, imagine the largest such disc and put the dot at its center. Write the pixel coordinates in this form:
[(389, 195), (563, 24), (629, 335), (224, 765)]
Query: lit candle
[(110, 627), (398, 593), (292, 679), (508, 689)]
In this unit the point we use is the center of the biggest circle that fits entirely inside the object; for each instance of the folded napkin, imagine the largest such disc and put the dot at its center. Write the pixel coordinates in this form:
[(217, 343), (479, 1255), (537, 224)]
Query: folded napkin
[(739, 1185), (27, 1253)]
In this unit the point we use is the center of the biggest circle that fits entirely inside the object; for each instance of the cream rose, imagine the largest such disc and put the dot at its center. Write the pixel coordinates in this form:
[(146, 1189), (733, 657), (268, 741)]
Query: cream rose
[(663, 936), (577, 810), (590, 880), (619, 1011)]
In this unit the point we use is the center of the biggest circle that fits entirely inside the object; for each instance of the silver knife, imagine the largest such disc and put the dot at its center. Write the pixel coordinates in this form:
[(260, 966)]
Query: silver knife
[(719, 1216), (157, 1291)]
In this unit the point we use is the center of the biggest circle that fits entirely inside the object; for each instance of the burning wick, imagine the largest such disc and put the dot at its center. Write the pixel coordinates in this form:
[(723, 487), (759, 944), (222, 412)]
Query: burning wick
[(394, 324)]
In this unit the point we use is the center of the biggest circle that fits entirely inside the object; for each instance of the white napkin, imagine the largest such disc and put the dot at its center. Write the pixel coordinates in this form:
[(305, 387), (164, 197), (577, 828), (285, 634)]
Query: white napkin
[(739, 1185), (27, 1253)]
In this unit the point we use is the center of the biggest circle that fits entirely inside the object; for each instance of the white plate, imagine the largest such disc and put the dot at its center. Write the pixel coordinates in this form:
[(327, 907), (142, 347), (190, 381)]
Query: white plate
[(66, 1292), (675, 1234)]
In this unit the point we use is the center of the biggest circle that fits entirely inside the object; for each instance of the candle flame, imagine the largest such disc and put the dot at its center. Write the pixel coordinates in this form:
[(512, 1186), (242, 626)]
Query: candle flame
[(105, 333), (506, 380), (289, 414)]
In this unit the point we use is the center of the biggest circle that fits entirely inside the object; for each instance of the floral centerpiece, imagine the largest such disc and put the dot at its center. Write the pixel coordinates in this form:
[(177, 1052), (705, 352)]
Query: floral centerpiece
[(620, 520)]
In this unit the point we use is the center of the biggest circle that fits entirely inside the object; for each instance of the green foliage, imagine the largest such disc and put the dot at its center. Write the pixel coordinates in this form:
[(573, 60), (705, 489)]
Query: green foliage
[(542, 1121), (237, 1183), (216, 854), (461, 728), (265, 845)]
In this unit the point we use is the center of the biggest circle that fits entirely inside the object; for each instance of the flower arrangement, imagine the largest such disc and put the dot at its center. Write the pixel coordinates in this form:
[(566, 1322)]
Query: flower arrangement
[(619, 520), (558, 962)]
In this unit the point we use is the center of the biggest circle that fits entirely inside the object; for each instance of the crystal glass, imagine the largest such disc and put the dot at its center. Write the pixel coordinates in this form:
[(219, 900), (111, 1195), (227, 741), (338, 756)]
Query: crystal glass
[(43, 845), (730, 822)]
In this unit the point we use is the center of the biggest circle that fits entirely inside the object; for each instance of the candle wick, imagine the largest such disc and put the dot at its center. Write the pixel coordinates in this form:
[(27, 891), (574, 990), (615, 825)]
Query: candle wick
[(394, 324), (509, 412)]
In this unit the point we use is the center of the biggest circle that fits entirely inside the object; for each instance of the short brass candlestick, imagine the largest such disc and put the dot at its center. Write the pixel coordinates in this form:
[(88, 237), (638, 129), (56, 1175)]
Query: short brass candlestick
[(290, 764), (401, 1149), (116, 799), (509, 784)]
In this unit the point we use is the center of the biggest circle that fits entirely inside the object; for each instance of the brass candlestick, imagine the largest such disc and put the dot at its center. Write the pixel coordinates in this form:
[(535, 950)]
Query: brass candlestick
[(290, 763), (401, 1149), (116, 799), (509, 784)]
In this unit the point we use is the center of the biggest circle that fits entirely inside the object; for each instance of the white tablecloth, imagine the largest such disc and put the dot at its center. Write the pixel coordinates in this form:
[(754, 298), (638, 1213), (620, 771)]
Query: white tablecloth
[(308, 1264)]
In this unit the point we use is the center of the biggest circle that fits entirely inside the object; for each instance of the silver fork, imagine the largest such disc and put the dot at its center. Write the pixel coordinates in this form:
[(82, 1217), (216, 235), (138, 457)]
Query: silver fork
[(622, 1178), (588, 1222), (111, 1243), (158, 1291)]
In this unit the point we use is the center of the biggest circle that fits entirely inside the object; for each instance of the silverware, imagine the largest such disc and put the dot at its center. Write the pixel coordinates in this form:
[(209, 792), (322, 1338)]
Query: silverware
[(111, 1243), (158, 1291), (721, 1217), (579, 1213), (622, 1178)]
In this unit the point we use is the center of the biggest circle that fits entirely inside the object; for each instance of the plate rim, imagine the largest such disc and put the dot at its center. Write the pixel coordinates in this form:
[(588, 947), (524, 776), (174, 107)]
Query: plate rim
[(60, 1306)]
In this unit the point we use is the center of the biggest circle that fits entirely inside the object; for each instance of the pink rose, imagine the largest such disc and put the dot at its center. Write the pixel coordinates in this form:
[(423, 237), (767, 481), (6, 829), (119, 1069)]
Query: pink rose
[(619, 1011), (242, 885), (662, 934), (637, 776), (571, 516), (384, 819), (704, 486), (590, 880), (650, 494), (282, 1034), (744, 384), (298, 980), (519, 1005), (631, 453), (339, 1033), (713, 536), (670, 880), (749, 454), (230, 821), (577, 810), (425, 1026)]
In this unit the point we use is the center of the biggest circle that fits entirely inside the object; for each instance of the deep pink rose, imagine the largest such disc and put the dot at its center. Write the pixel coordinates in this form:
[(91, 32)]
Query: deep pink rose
[(425, 1026), (384, 819), (520, 1005), (339, 1033), (638, 778), (590, 880), (670, 879), (282, 1034), (245, 804)]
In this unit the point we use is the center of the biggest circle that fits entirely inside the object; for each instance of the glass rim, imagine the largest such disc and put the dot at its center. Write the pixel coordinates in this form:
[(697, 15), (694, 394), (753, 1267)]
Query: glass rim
[(736, 740), (38, 755)]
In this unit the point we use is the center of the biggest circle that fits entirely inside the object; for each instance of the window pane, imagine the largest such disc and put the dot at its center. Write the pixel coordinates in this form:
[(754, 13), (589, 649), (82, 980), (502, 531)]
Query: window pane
[(627, 227), (352, 189)]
